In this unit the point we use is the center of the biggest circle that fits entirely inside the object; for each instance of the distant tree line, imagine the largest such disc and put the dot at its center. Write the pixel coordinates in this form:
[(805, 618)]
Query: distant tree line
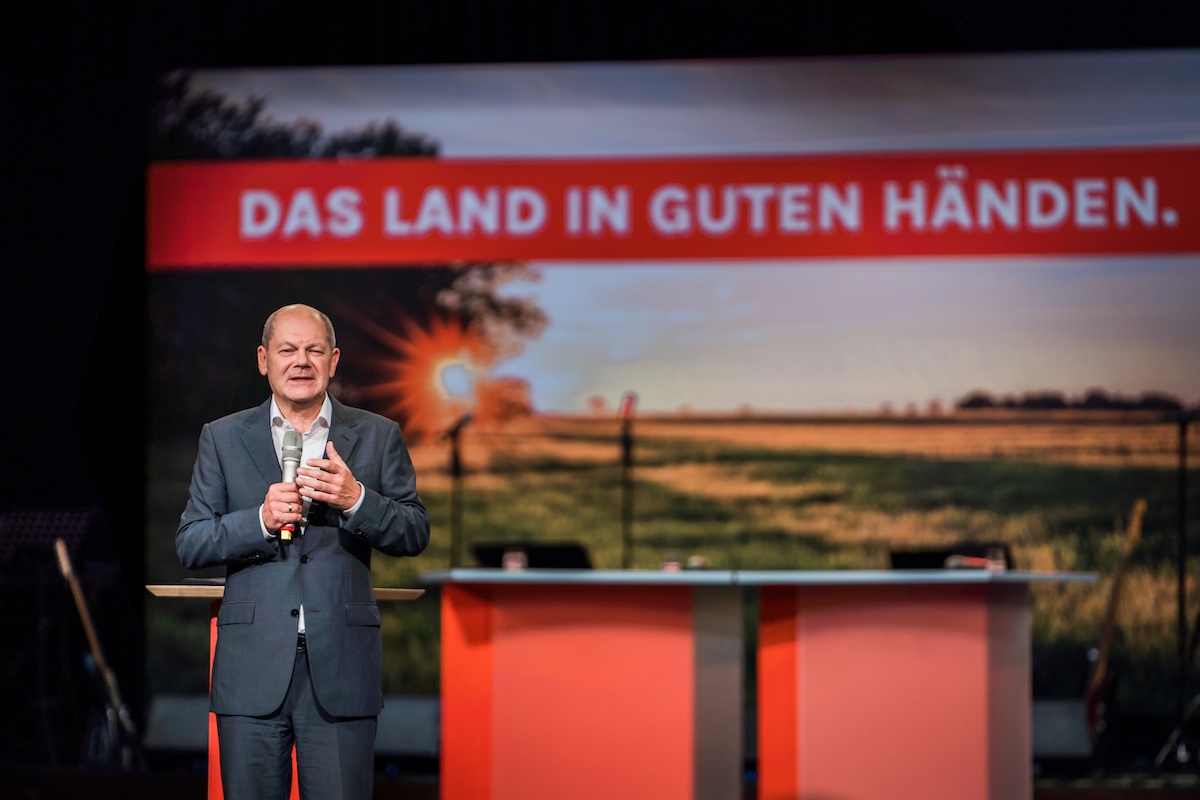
[(1093, 399)]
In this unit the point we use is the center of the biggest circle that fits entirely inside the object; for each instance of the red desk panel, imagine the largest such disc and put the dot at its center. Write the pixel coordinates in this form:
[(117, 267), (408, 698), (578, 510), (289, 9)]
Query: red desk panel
[(872, 685), (894, 692), (590, 691)]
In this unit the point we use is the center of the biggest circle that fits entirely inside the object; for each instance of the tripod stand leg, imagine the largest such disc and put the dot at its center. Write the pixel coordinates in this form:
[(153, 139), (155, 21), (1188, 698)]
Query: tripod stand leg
[(1173, 739)]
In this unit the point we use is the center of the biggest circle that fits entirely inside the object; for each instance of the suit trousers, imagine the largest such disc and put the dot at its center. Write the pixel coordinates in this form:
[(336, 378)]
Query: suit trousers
[(335, 756)]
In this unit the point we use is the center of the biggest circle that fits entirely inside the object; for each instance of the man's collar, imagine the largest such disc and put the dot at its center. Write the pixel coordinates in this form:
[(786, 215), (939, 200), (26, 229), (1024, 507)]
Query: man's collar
[(325, 414)]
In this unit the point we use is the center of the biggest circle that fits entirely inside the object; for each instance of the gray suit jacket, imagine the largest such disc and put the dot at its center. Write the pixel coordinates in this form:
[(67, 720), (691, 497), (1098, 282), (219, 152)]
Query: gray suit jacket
[(328, 569)]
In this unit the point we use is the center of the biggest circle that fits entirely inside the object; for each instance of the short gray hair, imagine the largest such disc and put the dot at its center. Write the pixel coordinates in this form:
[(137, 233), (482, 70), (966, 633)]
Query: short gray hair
[(269, 325)]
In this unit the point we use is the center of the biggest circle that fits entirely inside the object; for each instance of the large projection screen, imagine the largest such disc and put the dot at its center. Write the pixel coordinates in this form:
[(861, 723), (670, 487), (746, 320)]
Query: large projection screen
[(866, 305)]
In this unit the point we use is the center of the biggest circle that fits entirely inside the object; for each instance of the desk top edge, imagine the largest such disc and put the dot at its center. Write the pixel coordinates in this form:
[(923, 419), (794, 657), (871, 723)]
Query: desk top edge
[(751, 577)]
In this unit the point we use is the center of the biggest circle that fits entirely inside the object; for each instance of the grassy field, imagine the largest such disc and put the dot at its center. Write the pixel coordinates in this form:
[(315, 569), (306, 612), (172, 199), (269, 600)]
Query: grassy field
[(788, 493)]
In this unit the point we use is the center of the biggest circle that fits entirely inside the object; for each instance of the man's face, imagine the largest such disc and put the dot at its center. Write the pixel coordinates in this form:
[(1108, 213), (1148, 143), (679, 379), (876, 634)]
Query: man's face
[(298, 361)]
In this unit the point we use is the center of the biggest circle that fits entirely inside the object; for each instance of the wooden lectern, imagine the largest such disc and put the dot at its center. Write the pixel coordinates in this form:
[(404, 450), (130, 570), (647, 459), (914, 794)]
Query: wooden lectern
[(215, 593)]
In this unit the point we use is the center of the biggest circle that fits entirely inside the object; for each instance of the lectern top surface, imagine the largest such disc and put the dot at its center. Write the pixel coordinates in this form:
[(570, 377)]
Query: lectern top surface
[(217, 592), (693, 577)]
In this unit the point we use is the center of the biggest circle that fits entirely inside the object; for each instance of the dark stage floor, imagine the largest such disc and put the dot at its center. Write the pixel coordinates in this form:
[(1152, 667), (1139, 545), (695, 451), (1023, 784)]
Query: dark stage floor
[(74, 784)]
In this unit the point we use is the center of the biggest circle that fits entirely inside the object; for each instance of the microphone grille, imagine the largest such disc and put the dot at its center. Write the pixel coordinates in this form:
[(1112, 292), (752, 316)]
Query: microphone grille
[(292, 440)]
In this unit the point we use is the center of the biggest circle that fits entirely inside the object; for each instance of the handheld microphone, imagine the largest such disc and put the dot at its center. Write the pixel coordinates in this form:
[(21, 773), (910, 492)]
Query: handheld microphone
[(293, 449)]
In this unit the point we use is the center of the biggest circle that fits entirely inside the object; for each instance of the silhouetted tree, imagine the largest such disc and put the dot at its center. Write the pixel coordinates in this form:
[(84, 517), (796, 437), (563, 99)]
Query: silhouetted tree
[(505, 320), (196, 124), (1043, 400), (976, 399), (1095, 399), (1159, 401)]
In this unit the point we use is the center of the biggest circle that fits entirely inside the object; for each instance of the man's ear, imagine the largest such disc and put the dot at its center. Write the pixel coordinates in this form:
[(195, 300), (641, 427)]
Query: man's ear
[(262, 360), (332, 361)]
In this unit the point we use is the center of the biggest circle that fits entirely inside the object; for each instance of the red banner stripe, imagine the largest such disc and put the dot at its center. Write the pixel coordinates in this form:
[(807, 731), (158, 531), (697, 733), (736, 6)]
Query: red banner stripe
[(396, 211)]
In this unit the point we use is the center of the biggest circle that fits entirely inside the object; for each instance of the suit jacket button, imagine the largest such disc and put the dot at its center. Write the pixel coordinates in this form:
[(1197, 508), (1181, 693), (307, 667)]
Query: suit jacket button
[(303, 559), (295, 612)]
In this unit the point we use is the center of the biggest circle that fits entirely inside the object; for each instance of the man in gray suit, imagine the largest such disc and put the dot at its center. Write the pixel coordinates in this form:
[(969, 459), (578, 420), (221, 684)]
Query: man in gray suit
[(298, 657)]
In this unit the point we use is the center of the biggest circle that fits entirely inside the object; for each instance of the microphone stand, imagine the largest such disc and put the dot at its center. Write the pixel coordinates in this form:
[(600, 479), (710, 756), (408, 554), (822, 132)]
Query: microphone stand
[(628, 404), (456, 476)]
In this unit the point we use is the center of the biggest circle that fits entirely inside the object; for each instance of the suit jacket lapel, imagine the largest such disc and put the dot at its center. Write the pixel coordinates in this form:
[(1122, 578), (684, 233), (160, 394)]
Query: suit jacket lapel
[(342, 434), (345, 440), (256, 437)]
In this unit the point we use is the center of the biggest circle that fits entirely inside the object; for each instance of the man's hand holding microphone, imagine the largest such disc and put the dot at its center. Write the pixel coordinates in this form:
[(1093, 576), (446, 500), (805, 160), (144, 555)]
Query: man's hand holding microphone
[(328, 480), (283, 506)]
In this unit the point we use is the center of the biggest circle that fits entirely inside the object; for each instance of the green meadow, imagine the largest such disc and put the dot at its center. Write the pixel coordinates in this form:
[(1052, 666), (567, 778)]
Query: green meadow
[(755, 501)]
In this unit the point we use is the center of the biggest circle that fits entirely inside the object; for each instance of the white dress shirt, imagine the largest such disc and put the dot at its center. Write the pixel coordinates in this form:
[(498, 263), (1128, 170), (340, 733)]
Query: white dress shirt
[(315, 439)]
